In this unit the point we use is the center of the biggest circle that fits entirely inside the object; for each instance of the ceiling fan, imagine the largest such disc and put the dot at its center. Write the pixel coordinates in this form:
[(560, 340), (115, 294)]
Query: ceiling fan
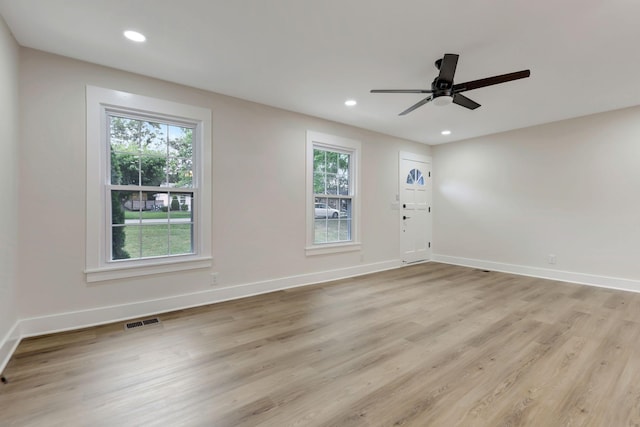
[(444, 92)]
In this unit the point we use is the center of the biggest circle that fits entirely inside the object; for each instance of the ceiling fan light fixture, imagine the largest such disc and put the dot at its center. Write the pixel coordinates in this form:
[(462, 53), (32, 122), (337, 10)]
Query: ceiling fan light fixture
[(134, 36), (350, 102), (443, 100), (445, 132)]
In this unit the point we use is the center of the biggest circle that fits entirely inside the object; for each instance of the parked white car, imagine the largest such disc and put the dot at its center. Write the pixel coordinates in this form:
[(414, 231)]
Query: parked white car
[(324, 211)]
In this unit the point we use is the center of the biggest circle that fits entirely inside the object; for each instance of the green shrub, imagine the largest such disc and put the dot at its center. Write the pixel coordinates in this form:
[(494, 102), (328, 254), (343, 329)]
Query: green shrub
[(175, 204), (118, 237)]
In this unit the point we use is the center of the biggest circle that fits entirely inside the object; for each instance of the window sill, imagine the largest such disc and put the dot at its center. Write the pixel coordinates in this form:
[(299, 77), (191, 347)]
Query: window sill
[(332, 248), (121, 271)]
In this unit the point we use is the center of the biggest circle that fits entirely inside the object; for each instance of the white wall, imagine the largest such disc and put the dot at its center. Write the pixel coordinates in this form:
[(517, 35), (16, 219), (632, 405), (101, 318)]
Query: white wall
[(258, 166), (9, 179), (570, 188)]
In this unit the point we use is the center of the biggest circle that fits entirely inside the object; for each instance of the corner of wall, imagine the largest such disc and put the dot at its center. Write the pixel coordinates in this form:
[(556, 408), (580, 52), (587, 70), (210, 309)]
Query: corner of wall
[(9, 170)]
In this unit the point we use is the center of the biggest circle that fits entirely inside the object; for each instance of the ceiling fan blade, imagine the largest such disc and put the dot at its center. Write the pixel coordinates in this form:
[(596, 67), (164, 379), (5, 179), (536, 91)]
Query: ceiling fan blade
[(489, 81), (401, 91), (465, 102), (416, 105), (448, 67)]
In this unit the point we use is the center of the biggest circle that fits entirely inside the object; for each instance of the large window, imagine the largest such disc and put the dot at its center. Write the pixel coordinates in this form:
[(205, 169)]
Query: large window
[(332, 194), (332, 188), (148, 185), (151, 191)]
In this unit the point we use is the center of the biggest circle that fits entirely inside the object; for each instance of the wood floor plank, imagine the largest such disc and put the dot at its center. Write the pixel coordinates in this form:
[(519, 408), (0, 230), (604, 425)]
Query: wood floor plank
[(425, 345)]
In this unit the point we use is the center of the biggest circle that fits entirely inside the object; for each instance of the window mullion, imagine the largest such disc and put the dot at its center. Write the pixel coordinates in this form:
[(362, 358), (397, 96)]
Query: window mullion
[(150, 189)]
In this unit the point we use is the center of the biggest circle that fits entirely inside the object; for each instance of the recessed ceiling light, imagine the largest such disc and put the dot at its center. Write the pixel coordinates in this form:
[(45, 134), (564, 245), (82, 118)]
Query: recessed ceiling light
[(446, 132), (134, 36), (350, 102)]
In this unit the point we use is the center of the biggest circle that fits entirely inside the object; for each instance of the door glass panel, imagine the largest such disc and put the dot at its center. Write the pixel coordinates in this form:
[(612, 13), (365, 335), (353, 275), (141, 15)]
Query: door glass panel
[(411, 177), (415, 177)]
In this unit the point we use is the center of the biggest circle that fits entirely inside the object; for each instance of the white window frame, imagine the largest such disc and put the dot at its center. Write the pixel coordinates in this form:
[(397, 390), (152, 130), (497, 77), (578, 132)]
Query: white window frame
[(99, 265), (325, 141)]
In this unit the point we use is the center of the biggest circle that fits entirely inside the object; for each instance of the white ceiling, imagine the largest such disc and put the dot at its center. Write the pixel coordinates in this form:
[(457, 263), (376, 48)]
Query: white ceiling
[(310, 56)]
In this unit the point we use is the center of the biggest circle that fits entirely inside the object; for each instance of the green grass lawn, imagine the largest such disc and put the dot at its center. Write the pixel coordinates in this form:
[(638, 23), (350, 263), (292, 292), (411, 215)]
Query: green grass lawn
[(149, 240), (143, 241), (155, 214), (331, 230)]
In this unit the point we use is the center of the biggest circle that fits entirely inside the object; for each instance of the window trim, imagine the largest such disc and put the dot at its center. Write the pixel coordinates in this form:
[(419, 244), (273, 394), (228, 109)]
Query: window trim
[(98, 265), (340, 144)]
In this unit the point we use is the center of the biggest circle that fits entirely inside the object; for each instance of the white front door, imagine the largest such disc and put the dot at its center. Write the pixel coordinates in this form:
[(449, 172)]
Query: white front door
[(415, 207)]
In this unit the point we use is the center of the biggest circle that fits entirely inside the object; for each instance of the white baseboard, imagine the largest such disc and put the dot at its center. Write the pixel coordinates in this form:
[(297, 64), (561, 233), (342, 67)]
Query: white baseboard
[(8, 345), (545, 273), (60, 322)]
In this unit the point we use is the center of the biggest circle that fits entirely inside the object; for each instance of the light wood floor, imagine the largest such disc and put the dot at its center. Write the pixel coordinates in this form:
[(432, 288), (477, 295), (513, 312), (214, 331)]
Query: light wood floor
[(426, 345)]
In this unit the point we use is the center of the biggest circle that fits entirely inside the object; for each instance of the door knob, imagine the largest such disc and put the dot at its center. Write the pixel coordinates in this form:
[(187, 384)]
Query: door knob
[(405, 217)]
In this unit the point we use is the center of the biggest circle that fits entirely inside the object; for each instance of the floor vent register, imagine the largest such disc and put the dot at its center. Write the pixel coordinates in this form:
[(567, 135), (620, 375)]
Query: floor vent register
[(141, 323)]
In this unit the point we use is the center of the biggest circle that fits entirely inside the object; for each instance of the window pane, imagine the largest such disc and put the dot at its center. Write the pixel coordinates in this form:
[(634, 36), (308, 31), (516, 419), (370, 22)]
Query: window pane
[(124, 134), (332, 162), (174, 205), (181, 239), (160, 203), (125, 207), (155, 240), (332, 220), (332, 184), (180, 142), (154, 139), (345, 208), (331, 173), (125, 242), (343, 166), (139, 202), (327, 207), (152, 170), (181, 207), (344, 230), (343, 186), (319, 161), (149, 224), (179, 172), (125, 169), (319, 184), (320, 231)]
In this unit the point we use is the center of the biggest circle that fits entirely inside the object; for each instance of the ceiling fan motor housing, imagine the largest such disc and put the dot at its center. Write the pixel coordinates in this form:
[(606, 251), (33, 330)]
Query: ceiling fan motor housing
[(439, 84)]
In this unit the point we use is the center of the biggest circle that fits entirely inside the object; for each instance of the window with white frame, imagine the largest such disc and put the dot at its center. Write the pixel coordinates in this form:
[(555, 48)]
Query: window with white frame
[(150, 180), (148, 185), (332, 196)]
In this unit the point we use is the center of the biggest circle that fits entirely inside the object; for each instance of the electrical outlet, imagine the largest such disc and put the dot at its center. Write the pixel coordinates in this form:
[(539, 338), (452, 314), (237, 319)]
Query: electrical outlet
[(551, 259), (214, 279)]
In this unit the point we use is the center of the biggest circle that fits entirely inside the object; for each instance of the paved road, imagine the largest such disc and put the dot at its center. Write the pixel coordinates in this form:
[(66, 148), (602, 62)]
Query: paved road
[(157, 221)]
